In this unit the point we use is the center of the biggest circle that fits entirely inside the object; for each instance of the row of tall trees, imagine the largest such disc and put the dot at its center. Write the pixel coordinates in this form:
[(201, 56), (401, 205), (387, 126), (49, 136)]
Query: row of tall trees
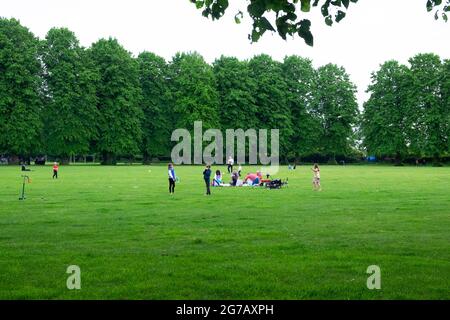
[(408, 113), (60, 99)]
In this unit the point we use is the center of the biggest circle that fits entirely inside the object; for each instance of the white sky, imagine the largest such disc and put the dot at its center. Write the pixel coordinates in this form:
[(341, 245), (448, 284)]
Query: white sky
[(373, 31)]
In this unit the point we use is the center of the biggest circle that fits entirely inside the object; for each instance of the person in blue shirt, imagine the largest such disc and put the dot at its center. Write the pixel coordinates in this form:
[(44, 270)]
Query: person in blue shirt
[(172, 178), (207, 178)]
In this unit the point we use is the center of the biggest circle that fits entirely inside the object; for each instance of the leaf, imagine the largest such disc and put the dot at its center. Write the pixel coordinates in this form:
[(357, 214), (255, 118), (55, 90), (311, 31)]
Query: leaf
[(256, 9), (198, 4), (255, 36), (336, 3), (305, 5), (324, 8), (264, 24), (340, 15), (329, 21), (238, 17), (304, 32)]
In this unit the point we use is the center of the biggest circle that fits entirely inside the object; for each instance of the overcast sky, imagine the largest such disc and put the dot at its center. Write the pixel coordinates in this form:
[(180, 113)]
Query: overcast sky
[(373, 31)]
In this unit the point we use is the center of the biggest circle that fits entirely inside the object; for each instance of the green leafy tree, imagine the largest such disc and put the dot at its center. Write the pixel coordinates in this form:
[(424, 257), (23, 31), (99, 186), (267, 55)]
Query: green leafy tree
[(20, 88), (119, 95), (336, 105), (237, 108), (71, 109), (386, 116), (300, 78), (429, 113), (194, 92), (290, 14), (445, 89), (270, 94), (156, 104)]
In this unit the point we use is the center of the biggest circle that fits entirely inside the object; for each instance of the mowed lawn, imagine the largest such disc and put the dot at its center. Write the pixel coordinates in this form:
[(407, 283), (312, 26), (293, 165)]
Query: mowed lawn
[(134, 241)]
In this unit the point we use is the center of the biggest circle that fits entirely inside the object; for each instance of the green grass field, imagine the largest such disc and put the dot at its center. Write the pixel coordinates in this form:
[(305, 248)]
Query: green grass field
[(134, 241)]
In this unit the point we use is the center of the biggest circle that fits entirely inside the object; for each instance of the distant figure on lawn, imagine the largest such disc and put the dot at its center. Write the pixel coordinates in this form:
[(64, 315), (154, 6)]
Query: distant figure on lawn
[(230, 164), (24, 167), (316, 178), (234, 178), (55, 170), (172, 178), (207, 178), (253, 178)]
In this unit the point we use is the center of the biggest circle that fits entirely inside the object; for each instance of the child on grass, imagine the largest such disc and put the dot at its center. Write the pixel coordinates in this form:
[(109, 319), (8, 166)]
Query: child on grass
[(316, 178), (55, 170)]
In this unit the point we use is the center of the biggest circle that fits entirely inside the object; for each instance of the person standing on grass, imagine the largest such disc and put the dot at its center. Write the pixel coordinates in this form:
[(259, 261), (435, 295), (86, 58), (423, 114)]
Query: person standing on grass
[(207, 178), (55, 170), (316, 178), (230, 164), (172, 178)]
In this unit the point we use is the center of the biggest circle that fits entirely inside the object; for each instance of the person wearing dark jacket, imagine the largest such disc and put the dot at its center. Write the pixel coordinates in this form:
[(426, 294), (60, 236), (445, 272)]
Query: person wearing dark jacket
[(207, 178), (172, 178), (24, 167)]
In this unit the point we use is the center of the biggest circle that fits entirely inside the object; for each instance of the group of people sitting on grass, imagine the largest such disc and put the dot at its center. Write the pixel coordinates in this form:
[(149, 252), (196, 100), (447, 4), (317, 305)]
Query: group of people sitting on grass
[(251, 179)]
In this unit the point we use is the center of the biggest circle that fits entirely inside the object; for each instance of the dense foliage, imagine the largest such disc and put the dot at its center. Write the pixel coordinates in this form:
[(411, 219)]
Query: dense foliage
[(408, 113), (62, 100), (20, 90)]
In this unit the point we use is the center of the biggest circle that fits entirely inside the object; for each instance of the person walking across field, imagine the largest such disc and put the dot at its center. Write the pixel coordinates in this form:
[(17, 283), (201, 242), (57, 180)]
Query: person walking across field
[(55, 170), (207, 178), (172, 178), (230, 164)]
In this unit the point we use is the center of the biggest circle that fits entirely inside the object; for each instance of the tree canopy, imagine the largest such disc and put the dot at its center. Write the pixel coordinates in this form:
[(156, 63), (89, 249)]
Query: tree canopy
[(408, 112), (118, 97), (20, 89), (60, 99), (155, 104), (70, 86)]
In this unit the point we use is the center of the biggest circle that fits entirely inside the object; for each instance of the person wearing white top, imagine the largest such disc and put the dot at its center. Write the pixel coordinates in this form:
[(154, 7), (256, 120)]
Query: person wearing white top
[(172, 178), (230, 164)]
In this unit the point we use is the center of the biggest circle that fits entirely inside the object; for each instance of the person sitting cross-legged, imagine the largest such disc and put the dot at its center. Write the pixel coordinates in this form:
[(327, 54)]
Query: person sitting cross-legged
[(217, 181)]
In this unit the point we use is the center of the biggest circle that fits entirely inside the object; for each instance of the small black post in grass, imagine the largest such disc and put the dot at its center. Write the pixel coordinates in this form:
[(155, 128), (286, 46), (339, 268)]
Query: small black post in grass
[(26, 179)]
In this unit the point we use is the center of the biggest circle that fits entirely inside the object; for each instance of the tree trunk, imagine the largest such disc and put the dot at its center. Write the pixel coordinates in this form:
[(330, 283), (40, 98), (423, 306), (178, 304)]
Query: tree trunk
[(332, 160), (108, 158), (437, 160), (146, 158), (65, 160), (398, 159), (13, 160)]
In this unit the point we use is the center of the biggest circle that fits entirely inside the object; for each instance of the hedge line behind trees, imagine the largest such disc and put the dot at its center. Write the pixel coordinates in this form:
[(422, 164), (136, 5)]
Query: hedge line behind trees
[(60, 99)]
